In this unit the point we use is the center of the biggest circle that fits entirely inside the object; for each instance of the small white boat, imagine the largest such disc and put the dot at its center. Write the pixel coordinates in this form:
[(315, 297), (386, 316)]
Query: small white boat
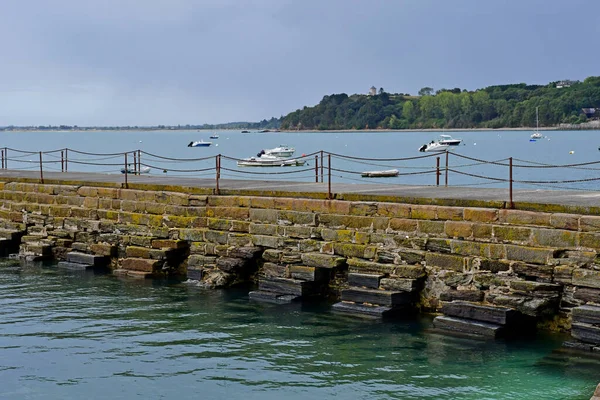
[(214, 136), (536, 134), (380, 174), (281, 151), (434, 146), (266, 160), (199, 143), (449, 140), (131, 170)]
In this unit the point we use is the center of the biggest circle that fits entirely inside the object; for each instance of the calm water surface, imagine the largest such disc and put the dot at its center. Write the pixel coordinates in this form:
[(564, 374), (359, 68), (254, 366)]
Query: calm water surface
[(557, 148), (67, 335)]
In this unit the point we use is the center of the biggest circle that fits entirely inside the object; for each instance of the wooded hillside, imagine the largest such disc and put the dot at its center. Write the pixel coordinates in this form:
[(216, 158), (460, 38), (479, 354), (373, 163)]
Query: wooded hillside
[(501, 106)]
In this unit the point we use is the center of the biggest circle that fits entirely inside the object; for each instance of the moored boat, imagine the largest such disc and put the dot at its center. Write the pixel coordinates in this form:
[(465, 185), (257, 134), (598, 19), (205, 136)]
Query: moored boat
[(199, 143), (380, 174), (536, 134), (131, 170), (434, 146), (280, 151), (449, 140), (214, 136), (266, 160)]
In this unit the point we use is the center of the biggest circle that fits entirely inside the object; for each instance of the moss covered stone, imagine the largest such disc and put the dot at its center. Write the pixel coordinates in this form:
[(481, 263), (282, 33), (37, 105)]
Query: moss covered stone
[(322, 260)]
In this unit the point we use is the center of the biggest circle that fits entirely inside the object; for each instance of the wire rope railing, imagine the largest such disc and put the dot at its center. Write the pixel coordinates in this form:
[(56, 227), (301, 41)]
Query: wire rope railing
[(319, 167)]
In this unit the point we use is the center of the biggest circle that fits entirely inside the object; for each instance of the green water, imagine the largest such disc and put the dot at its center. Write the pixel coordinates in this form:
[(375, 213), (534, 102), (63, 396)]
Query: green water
[(70, 335)]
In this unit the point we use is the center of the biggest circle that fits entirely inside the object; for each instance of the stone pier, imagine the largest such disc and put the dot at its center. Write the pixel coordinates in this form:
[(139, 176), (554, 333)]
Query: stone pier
[(485, 270)]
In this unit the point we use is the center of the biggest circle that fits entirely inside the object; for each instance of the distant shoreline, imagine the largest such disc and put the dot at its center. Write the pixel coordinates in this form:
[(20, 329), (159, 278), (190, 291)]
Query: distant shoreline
[(553, 128)]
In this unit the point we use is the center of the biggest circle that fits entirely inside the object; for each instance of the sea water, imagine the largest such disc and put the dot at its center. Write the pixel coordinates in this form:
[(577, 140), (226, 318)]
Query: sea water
[(74, 335), (488, 155)]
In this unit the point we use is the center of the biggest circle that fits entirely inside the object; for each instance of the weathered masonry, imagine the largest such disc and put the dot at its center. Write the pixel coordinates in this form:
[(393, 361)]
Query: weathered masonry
[(487, 270)]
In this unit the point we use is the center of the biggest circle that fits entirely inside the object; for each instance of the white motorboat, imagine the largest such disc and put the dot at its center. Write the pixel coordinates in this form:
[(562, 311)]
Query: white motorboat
[(199, 143), (281, 151), (131, 170), (449, 140), (434, 146), (267, 160), (380, 174), (214, 136), (536, 134)]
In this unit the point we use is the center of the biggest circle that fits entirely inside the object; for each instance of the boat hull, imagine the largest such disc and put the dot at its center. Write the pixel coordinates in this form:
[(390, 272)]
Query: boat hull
[(380, 174), (143, 170), (434, 147), (256, 162), (199, 144)]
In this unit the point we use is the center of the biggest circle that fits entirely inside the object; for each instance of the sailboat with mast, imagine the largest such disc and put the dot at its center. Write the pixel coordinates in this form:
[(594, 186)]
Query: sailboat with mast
[(536, 134)]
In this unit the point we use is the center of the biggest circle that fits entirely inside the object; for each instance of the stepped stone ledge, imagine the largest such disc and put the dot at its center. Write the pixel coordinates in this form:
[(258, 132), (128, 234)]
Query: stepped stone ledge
[(366, 310), (491, 314), (469, 327)]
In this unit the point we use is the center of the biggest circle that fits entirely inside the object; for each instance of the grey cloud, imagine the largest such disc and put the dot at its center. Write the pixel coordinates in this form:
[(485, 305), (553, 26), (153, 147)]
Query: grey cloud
[(187, 61)]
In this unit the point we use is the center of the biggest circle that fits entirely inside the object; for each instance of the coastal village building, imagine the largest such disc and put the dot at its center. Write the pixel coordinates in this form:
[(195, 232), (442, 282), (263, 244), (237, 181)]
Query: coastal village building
[(564, 84), (373, 91)]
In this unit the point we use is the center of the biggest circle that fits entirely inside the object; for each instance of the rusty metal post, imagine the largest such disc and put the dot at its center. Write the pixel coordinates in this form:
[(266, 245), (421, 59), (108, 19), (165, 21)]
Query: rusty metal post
[(2, 159), (62, 161), (66, 160), (329, 176), (437, 171), (322, 166), (126, 183), (218, 168), (510, 178), (316, 169), (134, 163), (41, 170), (446, 177), (139, 161), (6, 160)]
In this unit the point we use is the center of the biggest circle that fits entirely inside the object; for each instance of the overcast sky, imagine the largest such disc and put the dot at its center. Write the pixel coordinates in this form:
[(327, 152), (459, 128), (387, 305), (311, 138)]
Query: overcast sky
[(150, 62)]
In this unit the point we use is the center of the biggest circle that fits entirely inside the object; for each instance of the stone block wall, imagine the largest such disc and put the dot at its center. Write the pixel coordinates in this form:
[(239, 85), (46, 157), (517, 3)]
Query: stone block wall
[(542, 264)]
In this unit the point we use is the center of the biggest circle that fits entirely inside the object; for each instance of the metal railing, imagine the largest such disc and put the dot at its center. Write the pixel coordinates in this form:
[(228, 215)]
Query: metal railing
[(326, 167)]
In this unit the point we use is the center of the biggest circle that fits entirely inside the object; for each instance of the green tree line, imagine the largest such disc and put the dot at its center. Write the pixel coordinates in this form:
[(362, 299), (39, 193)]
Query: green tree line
[(500, 106)]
